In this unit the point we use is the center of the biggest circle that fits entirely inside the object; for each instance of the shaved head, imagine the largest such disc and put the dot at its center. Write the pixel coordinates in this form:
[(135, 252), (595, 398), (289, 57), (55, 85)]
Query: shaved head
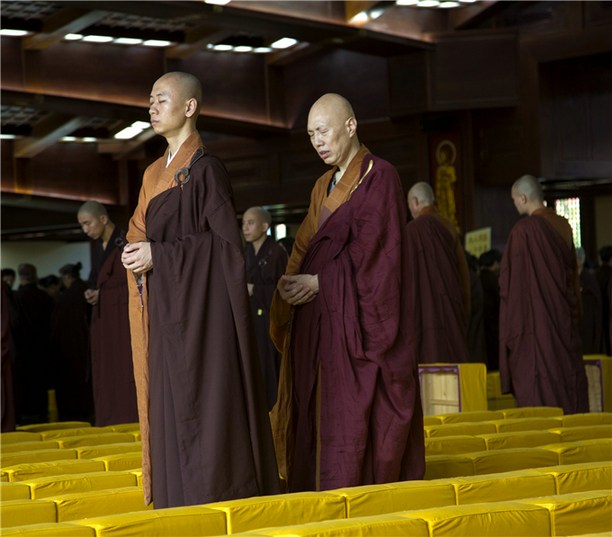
[(419, 196), (93, 208), (333, 105), (188, 85), (260, 214), (529, 186)]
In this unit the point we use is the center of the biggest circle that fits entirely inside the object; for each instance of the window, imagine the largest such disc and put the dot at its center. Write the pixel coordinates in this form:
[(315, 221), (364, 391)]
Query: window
[(570, 209)]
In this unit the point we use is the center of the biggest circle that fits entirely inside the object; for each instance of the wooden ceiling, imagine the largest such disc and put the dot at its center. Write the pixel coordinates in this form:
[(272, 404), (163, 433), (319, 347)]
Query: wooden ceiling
[(52, 87)]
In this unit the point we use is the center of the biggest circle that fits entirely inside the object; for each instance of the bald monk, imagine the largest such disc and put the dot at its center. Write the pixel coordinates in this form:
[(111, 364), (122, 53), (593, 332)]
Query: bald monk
[(265, 264), (540, 355), (349, 409), (439, 294), (114, 390), (205, 428)]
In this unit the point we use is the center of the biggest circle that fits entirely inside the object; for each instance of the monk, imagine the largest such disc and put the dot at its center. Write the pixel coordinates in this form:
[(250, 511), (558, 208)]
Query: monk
[(265, 264), (439, 294), (114, 389), (349, 410), (205, 429), (540, 355)]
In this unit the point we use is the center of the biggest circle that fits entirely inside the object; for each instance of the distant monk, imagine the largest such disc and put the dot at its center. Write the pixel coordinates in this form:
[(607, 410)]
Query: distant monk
[(265, 264), (349, 408), (540, 355), (439, 283), (591, 323), (70, 345), (111, 354)]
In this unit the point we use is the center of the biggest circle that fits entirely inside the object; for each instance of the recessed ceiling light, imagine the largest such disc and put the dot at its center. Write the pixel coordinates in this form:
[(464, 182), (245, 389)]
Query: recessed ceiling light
[(127, 41), (360, 18), (97, 38), (428, 3), (7, 32), (223, 48), (243, 48), (449, 4), (406, 2), (262, 50), (73, 37), (68, 139), (156, 43), (132, 131), (284, 42), (375, 13), (7, 136), (88, 139), (217, 2)]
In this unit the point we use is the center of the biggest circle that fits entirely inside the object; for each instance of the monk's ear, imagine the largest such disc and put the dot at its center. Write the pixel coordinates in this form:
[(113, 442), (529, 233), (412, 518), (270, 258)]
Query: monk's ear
[(266, 226), (191, 107), (351, 126), (104, 219)]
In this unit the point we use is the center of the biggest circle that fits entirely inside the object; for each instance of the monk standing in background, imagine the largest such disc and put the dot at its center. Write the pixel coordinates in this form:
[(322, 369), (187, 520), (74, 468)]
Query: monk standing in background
[(114, 390), (265, 264), (349, 409), (439, 283), (205, 429), (540, 355)]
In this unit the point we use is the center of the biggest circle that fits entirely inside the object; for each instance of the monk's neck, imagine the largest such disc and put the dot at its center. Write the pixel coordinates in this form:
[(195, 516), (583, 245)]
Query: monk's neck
[(107, 234), (347, 162), (175, 141), (258, 243)]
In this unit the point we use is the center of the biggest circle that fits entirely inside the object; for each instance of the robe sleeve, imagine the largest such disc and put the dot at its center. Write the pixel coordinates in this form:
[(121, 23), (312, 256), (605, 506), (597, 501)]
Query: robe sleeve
[(137, 229)]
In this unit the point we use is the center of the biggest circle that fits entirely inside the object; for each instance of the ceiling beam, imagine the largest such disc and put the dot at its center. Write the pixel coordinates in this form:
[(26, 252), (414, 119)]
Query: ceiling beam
[(68, 20), (46, 133), (462, 18), (196, 41)]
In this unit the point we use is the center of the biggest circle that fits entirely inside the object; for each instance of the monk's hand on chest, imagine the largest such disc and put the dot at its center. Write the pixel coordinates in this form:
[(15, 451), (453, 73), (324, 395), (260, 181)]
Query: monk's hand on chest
[(137, 257), (297, 289)]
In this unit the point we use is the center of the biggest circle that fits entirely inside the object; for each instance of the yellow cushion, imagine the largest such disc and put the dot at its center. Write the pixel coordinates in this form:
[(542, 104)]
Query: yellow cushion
[(431, 420), (18, 436), (599, 449), (22, 472), (580, 477), (20, 512), (506, 460), (92, 452), (99, 503), (277, 510), (454, 429), (44, 487), (14, 491), (95, 439), (475, 416), (519, 439), (370, 500), (508, 425), (43, 455), (590, 418), (172, 522), (66, 529), (503, 486), (442, 466), (498, 519), (123, 427), (494, 385), (532, 412), (54, 426), (450, 445), (579, 512), (30, 446), (138, 475), (55, 434), (586, 432), (121, 461), (390, 525)]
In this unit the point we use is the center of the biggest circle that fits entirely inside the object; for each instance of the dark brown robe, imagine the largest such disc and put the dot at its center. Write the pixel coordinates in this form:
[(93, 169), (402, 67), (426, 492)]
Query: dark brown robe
[(439, 290), (201, 395), (264, 271), (490, 286), (70, 346), (111, 353), (540, 355), (349, 410)]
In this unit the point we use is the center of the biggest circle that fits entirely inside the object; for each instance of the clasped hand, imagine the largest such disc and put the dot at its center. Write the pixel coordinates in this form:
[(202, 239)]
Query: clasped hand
[(137, 257), (297, 289)]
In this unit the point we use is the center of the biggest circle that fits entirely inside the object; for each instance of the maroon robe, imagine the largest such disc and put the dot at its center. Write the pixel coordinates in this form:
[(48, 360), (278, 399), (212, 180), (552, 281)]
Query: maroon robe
[(439, 290), (540, 356), (591, 324), (355, 415), (264, 271), (111, 353), (70, 346), (210, 432)]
